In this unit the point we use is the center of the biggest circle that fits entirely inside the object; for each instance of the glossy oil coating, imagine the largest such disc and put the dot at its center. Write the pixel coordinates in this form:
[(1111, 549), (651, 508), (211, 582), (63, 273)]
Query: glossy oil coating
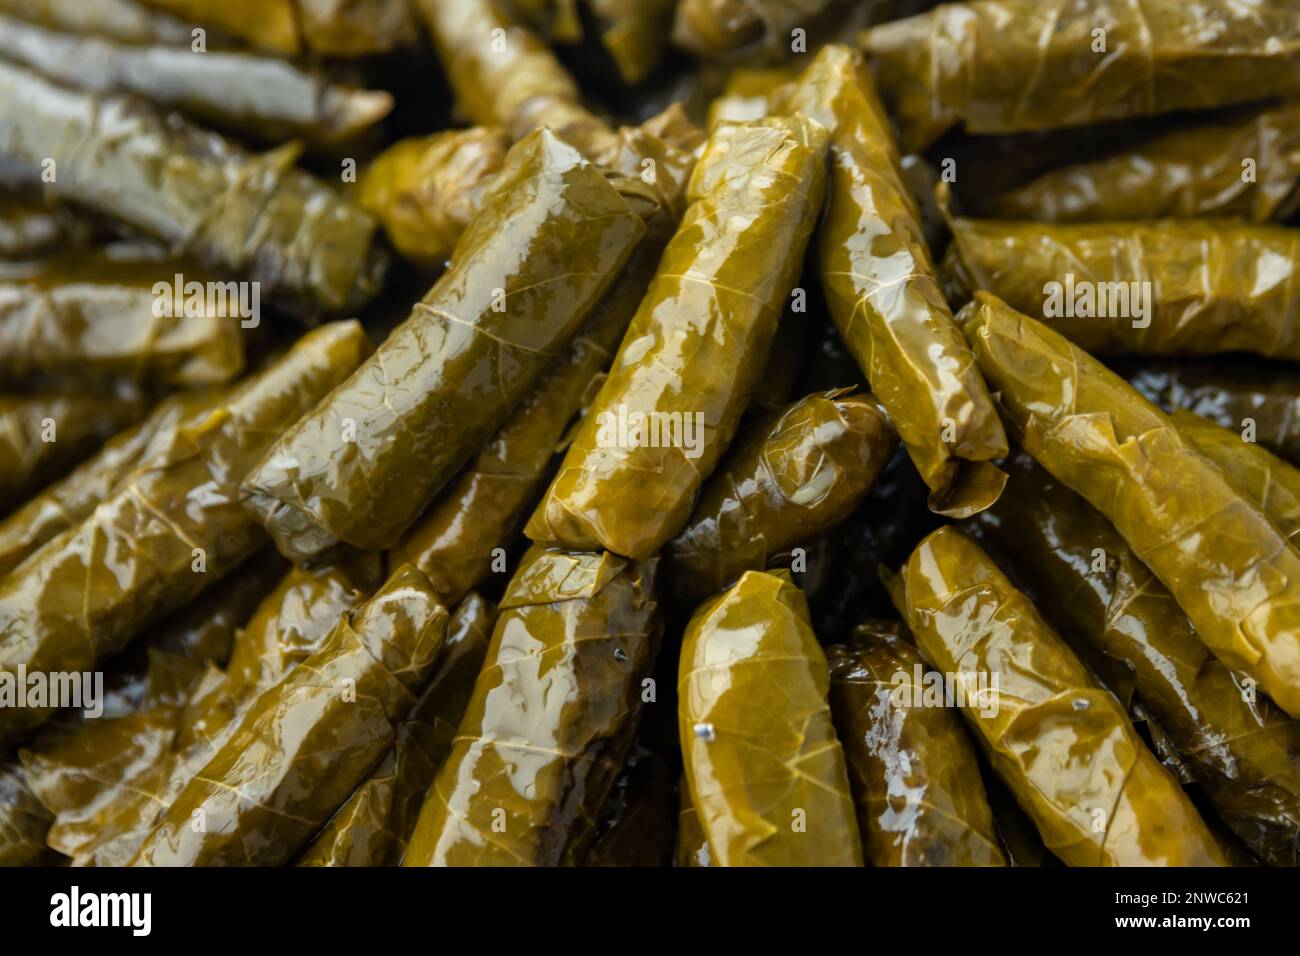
[(86, 771), (692, 846), (884, 296), (549, 241), (748, 93), (259, 96), (79, 423), (1225, 562), (766, 774), (551, 717), (85, 319), (1185, 173), (696, 346), (454, 541), (1209, 286), (999, 66), (23, 820), (788, 478), (516, 84), (912, 768), (1062, 745), (372, 828), (306, 743), (636, 823), (87, 592), (288, 626), (1235, 395), (71, 499), (342, 28), (426, 189), (254, 216), (1241, 748), (1272, 484)]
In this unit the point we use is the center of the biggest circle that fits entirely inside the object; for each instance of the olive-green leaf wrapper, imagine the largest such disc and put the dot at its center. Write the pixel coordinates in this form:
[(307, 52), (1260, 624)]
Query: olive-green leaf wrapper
[(287, 627), (788, 478), (549, 241), (426, 189), (306, 743), (260, 96), (341, 28), (166, 532), (455, 540), (255, 216), (1240, 747), (696, 346), (87, 772), (1272, 484), (77, 424), (551, 718), (503, 75), (1000, 66), (1186, 173), (372, 828), (1235, 395), (766, 773), (1063, 745), (884, 294), (1225, 562), (1159, 288), (912, 768), (84, 319)]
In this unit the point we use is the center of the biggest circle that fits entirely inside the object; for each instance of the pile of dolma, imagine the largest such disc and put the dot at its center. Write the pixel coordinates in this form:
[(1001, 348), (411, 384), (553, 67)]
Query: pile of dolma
[(649, 433)]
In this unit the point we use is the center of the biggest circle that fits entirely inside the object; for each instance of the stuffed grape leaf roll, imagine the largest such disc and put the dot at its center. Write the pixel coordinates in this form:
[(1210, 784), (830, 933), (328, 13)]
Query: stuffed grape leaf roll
[(1241, 748), (169, 530), (1166, 287), (912, 768), (1224, 560), (1063, 745), (1244, 165), (696, 346), (256, 216), (766, 773), (372, 828), (550, 239), (884, 294), (551, 717), (790, 477), (999, 66), (306, 743)]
